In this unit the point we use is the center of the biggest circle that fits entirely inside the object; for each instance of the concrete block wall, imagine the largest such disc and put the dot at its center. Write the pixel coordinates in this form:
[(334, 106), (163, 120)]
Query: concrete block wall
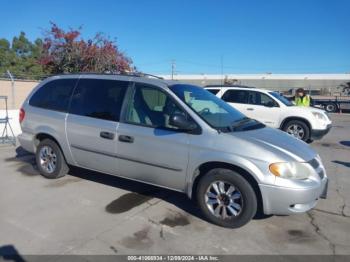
[(21, 91)]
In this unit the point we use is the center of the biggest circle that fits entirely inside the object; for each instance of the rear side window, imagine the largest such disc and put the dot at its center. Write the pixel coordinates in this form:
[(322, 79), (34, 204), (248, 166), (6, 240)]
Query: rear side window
[(99, 98), (54, 95), (236, 96), (213, 91)]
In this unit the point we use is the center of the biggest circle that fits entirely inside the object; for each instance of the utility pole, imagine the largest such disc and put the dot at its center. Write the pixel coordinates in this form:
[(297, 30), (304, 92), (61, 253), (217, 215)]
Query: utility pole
[(172, 69), (222, 69)]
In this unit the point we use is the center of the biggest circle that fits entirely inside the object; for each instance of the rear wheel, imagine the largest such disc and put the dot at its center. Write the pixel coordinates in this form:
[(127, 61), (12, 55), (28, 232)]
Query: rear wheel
[(331, 108), (298, 129), (50, 160), (226, 198)]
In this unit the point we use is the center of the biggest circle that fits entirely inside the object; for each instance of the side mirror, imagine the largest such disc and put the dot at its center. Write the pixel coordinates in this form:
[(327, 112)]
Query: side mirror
[(182, 122)]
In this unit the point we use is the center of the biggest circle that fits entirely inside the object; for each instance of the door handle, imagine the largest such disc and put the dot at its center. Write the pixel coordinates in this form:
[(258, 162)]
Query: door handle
[(126, 139), (250, 109), (107, 135)]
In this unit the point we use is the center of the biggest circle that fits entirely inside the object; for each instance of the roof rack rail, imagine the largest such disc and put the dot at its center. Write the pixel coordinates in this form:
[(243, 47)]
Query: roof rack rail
[(136, 74), (140, 74), (242, 86)]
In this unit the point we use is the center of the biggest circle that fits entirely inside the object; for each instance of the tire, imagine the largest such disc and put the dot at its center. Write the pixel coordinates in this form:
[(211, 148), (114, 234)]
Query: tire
[(247, 198), (295, 128), (331, 107), (48, 149)]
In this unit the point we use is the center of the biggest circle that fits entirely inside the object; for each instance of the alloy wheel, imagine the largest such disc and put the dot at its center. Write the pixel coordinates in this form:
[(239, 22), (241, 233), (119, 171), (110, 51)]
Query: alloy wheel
[(224, 200), (48, 159), (296, 130)]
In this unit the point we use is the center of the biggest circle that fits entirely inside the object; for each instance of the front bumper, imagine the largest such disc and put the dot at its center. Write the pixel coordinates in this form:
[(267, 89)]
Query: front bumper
[(317, 134), (279, 200)]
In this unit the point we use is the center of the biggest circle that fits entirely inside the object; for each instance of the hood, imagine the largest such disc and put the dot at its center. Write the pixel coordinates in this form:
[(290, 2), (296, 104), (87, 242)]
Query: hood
[(272, 144), (308, 109)]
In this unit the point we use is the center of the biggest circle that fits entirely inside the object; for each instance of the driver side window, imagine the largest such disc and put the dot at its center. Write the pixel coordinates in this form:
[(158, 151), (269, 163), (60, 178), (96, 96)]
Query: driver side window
[(260, 99), (151, 107)]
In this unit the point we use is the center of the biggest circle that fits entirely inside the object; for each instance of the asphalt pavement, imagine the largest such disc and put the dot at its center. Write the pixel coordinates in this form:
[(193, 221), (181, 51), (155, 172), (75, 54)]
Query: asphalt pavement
[(92, 213)]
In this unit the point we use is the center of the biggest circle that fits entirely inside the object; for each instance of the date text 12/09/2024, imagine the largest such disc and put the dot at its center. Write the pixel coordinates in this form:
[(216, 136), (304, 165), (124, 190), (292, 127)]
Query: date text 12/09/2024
[(173, 258)]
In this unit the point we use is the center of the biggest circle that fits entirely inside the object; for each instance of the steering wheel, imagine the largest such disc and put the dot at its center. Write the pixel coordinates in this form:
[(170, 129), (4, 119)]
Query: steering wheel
[(205, 110)]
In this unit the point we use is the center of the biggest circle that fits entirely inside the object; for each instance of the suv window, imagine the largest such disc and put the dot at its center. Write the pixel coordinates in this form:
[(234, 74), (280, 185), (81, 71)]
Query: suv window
[(261, 99), (54, 95), (99, 98), (236, 96), (151, 107), (213, 91)]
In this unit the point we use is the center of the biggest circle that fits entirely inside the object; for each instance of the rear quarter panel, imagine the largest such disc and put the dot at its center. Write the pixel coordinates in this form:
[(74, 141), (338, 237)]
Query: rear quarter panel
[(42, 121)]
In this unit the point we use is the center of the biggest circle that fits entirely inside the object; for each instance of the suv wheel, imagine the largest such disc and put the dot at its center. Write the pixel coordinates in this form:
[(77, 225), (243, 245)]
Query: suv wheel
[(331, 108), (298, 129), (50, 160), (226, 198)]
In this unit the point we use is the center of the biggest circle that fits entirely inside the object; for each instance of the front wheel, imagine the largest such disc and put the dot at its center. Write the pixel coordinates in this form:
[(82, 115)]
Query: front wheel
[(50, 160), (298, 129), (226, 198)]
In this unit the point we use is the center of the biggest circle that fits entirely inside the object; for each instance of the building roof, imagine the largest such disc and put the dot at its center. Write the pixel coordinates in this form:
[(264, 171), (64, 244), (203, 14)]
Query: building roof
[(343, 77)]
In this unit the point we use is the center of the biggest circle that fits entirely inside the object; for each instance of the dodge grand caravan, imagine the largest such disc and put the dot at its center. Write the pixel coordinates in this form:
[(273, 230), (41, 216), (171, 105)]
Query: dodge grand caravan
[(172, 135)]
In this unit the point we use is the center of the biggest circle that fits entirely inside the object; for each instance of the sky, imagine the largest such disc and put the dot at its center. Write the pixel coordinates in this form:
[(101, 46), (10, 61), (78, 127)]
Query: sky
[(202, 36)]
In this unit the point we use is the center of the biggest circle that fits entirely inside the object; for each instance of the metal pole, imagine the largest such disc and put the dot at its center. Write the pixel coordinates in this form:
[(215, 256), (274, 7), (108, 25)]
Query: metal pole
[(222, 69), (172, 69), (13, 104)]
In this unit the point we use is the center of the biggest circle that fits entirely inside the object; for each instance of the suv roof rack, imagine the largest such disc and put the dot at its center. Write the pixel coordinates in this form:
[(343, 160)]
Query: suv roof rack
[(136, 74), (140, 74), (242, 86)]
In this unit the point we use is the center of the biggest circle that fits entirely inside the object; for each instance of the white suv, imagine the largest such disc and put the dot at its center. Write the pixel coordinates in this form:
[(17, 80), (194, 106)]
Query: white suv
[(274, 110)]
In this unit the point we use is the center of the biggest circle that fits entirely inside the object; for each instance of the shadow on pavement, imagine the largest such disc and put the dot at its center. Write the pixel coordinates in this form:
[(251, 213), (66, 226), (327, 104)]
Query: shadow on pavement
[(347, 164), (345, 143), (139, 192), (10, 253)]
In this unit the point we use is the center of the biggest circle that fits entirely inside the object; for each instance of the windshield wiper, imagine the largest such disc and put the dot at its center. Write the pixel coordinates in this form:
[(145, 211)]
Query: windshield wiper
[(235, 125), (240, 122)]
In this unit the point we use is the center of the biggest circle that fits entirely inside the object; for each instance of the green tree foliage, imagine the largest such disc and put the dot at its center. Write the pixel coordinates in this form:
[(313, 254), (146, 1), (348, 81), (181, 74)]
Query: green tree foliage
[(60, 51), (21, 57)]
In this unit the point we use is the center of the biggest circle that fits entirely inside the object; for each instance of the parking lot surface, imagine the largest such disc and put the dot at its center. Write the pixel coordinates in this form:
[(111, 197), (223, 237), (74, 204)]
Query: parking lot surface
[(92, 213)]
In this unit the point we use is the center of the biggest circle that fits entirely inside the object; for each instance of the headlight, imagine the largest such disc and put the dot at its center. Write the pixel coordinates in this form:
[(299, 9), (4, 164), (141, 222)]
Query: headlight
[(320, 116), (291, 170)]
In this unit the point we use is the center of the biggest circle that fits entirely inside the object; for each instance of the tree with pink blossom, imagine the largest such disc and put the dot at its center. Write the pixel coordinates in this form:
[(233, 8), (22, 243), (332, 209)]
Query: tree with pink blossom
[(67, 52)]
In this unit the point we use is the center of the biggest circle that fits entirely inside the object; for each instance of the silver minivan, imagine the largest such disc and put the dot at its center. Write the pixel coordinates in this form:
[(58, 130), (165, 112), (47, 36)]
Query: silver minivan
[(172, 135)]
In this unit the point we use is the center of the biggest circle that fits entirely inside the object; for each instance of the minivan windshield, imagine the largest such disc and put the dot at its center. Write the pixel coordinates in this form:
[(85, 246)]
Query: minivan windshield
[(281, 98), (213, 110)]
